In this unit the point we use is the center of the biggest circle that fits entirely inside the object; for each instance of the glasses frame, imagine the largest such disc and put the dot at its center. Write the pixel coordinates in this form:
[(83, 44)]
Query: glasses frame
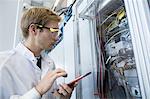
[(50, 29)]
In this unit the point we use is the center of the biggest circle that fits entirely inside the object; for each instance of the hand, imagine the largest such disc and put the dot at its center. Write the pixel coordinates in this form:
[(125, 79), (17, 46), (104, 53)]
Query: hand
[(46, 83), (65, 91)]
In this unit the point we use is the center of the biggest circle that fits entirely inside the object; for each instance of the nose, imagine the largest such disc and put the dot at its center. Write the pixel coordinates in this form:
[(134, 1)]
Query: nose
[(56, 37), (55, 34)]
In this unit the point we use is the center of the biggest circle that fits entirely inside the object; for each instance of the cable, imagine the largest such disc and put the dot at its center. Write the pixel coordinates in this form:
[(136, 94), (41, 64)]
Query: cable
[(68, 15), (125, 30)]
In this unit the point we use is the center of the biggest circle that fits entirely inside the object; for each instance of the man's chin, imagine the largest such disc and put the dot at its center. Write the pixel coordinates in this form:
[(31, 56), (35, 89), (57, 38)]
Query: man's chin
[(49, 47)]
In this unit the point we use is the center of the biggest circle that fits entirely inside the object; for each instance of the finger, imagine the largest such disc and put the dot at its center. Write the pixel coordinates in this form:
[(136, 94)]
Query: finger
[(75, 84), (62, 91), (66, 88), (57, 73), (56, 93), (60, 72)]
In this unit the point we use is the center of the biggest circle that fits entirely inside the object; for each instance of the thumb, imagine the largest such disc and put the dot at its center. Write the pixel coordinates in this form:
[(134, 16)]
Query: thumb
[(75, 84)]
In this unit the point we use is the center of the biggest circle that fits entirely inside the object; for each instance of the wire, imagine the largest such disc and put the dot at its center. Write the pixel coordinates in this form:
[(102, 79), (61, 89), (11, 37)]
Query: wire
[(125, 30)]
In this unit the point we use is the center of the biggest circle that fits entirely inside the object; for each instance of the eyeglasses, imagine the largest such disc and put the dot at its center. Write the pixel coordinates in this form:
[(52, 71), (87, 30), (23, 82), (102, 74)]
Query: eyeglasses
[(56, 30)]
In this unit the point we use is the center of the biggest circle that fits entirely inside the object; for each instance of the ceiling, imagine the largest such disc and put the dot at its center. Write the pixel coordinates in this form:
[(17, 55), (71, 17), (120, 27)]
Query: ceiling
[(47, 3)]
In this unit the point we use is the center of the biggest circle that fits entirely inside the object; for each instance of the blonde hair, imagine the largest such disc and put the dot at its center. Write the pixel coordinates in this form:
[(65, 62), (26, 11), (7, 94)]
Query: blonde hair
[(38, 15)]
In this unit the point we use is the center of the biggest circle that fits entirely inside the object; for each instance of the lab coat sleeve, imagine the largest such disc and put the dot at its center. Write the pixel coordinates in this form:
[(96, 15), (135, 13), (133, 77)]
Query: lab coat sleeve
[(32, 94), (8, 89)]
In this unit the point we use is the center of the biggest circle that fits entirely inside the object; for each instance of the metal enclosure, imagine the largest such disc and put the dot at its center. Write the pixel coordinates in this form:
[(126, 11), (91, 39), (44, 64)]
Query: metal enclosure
[(119, 77), (120, 47)]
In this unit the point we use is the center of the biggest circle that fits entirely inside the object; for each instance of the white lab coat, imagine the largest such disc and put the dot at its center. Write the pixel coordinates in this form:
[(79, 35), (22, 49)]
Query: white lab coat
[(19, 74)]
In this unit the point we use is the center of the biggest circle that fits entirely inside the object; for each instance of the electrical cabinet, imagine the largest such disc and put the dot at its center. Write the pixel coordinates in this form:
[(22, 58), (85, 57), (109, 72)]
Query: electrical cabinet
[(120, 35), (117, 59)]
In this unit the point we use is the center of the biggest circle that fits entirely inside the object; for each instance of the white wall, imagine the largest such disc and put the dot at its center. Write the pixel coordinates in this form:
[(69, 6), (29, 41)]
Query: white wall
[(8, 10)]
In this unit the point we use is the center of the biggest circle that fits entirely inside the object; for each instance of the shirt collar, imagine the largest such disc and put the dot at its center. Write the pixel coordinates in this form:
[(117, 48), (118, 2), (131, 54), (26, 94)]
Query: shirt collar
[(25, 52)]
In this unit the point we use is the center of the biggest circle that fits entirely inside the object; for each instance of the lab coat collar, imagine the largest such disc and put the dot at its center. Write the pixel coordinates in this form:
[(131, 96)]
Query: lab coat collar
[(25, 52), (30, 56)]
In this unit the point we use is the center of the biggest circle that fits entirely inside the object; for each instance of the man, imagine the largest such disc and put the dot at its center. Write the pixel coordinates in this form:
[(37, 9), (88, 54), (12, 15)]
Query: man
[(20, 75)]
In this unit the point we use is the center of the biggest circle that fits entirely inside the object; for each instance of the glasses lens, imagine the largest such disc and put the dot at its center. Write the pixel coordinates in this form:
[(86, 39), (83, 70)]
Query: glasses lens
[(59, 32), (54, 30)]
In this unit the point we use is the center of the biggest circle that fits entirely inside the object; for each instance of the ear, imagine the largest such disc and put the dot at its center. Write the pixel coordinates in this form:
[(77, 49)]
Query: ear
[(33, 29)]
